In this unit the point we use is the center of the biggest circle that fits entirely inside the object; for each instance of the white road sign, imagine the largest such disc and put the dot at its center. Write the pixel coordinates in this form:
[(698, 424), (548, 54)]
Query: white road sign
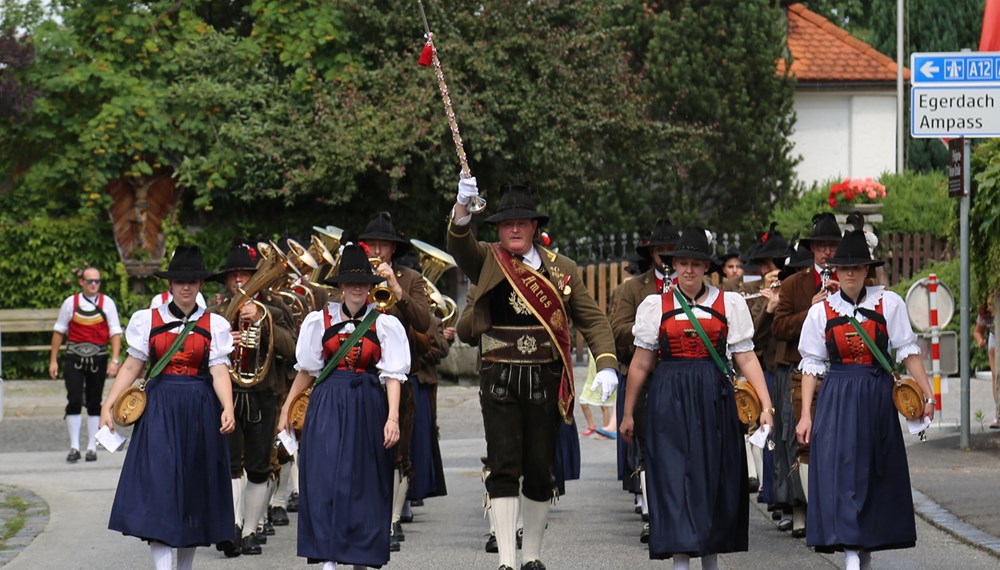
[(948, 112)]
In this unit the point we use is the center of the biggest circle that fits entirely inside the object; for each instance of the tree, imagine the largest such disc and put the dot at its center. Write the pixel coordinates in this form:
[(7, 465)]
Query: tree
[(712, 64)]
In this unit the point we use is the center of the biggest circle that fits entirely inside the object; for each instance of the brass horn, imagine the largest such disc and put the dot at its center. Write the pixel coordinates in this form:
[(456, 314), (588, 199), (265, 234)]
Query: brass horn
[(323, 257), (296, 303), (380, 294), (434, 263), (300, 259), (330, 236)]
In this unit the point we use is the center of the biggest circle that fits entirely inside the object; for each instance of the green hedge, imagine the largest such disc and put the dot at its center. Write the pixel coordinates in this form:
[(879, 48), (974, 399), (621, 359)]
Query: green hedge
[(913, 203)]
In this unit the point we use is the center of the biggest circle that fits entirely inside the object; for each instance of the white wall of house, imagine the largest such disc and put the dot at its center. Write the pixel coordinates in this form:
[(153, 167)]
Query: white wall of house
[(844, 133)]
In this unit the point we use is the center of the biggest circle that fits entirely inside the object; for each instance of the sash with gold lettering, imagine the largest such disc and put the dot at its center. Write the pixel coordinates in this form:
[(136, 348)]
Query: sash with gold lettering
[(546, 304)]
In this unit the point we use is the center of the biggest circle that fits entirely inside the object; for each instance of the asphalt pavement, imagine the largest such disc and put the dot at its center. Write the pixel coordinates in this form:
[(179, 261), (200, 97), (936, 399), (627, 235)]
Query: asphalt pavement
[(592, 526)]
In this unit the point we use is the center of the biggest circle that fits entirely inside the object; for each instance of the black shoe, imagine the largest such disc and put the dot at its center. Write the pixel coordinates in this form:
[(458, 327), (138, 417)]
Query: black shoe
[(231, 548), (398, 531), (406, 518), (785, 525), (638, 510), (505, 567), (754, 485), (798, 532), (293, 502), (533, 565), (645, 517), (249, 545), (520, 537), (644, 535), (760, 497), (260, 536), (491, 544), (393, 541), (74, 456), (776, 515), (417, 503), (278, 516), (268, 528), (91, 455)]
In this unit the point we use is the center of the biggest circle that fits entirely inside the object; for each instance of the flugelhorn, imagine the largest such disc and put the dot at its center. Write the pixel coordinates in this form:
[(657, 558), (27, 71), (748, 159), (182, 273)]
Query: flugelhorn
[(380, 294)]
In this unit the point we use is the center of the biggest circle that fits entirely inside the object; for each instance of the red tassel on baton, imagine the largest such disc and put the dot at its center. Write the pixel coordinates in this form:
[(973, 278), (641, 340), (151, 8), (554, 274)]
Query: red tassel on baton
[(427, 55)]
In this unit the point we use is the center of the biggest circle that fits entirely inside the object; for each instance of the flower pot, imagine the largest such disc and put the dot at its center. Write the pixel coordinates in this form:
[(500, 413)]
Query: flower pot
[(862, 208)]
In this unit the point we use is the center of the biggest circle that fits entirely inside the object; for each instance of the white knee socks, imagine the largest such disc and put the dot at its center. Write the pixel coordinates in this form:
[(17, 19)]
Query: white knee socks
[(73, 424), (682, 562), (293, 472), (645, 499), (92, 426), (399, 497), (535, 513), (804, 477), (280, 496), (162, 555), (710, 562), (798, 517), (505, 514), (185, 558), (866, 560), (851, 560), (254, 505), (238, 501), (329, 565)]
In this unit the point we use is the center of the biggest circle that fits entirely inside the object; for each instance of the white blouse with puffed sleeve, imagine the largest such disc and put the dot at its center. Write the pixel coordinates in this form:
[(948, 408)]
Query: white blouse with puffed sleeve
[(739, 338), (812, 341), (137, 334), (395, 360)]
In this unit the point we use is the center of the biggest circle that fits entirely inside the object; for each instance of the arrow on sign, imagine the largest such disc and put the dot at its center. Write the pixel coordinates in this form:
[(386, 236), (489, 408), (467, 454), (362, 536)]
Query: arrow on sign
[(929, 69)]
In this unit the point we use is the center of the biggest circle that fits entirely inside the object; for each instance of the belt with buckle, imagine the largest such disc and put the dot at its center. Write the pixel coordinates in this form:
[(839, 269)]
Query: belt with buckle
[(517, 345)]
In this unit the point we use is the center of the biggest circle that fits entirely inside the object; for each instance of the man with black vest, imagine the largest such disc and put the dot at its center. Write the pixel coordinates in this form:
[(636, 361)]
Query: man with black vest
[(660, 241), (527, 297), (799, 292), (88, 320), (255, 400), (413, 310)]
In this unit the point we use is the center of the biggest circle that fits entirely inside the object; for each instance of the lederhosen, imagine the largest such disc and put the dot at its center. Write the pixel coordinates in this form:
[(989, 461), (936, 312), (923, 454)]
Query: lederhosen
[(518, 394), (251, 444), (85, 364)]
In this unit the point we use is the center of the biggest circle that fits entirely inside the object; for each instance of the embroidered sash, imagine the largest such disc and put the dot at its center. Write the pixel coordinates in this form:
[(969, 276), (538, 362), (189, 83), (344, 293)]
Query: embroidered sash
[(545, 303)]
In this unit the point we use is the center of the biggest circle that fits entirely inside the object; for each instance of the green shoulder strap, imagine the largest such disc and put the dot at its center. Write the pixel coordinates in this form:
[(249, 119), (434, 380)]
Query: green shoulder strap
[(347, 345), (701, 332), (876, 351), (165, 359)]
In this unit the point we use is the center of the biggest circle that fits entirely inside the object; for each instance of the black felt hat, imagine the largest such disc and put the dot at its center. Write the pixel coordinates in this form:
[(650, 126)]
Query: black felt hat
[(773, 245), (853, 249), (825, 228), (242, 256), (354, 267), (381, 228), (517, 202), (186, 264), (730, 254), (693, 245), (664, 233)]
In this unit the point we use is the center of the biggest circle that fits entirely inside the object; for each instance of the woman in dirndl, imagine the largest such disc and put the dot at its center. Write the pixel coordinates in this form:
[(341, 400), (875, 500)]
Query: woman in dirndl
[(174, 489), (859, 484), (696, 469), (352, 423)]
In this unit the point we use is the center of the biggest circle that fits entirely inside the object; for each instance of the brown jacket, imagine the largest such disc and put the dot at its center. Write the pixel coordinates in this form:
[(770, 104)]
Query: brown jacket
[(284, 343), (796, 298), (412, 309), (627, 296), (477, 262)]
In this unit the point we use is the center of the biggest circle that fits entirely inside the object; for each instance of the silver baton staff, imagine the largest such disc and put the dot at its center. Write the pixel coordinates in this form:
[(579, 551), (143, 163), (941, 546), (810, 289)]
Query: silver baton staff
[(477, 204)]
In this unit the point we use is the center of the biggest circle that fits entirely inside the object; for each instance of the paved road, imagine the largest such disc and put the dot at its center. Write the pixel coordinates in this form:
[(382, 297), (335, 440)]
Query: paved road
[(591, 527)]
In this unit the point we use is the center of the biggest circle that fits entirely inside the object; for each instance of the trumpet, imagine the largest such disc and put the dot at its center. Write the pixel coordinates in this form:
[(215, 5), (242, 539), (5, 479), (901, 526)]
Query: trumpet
[(380, 294)]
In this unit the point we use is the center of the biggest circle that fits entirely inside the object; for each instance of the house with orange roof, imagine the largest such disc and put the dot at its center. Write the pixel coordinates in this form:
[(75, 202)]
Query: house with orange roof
[(845, 100)]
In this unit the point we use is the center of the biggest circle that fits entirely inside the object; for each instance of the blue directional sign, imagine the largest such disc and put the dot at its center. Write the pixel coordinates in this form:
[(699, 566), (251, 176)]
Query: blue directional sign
[(955, 68)]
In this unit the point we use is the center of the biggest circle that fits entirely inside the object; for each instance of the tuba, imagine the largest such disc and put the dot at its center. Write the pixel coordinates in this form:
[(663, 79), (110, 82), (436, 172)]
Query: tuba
[(433, 264), (324, 259), (330, 237), (250, 360), (296, 303)]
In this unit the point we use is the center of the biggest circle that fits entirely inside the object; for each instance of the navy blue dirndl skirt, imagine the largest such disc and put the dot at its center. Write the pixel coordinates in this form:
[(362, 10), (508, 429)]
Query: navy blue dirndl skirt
[(567, 461), (345, 472), (859, 480), (425, 453), (696, 465), (175, 485)]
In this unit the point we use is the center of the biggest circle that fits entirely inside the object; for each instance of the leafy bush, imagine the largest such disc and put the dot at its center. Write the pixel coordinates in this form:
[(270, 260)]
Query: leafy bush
[(913, 203)]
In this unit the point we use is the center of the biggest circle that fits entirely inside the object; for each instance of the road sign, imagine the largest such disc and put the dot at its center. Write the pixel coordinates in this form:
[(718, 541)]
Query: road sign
[(956, 175), (960, 111), (955, 68)]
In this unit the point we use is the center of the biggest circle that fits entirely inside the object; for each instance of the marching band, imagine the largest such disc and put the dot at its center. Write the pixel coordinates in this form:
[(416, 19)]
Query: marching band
[(335, 345)]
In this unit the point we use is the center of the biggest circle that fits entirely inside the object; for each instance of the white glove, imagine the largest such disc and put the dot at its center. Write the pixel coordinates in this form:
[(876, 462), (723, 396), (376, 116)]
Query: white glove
[(467, 190), (607, 379)]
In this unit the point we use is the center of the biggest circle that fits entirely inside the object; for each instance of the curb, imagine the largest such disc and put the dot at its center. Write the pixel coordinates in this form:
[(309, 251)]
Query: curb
[(940, 517), (36, 518)]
